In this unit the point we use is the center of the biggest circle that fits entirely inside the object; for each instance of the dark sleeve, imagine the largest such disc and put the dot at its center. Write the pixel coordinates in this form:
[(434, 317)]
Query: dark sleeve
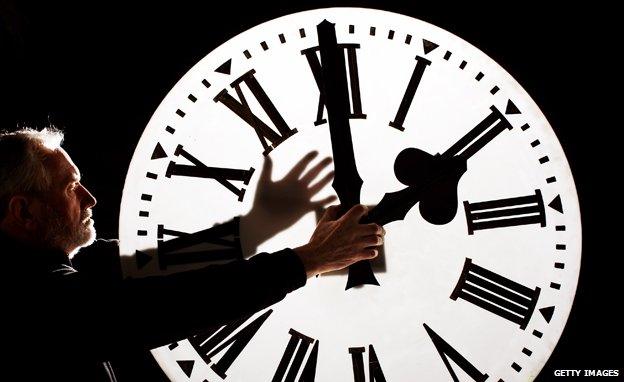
[(154, 311)]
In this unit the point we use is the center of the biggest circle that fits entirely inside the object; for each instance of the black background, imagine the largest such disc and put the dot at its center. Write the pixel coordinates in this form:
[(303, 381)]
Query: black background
[(99, 71)]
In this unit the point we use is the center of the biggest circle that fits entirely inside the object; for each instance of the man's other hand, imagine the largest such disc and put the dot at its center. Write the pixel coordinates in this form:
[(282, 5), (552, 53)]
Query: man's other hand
[(338, 242)]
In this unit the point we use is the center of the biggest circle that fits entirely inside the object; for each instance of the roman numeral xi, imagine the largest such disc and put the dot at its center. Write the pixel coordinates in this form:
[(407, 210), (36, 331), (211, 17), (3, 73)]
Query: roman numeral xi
[(278, 133)]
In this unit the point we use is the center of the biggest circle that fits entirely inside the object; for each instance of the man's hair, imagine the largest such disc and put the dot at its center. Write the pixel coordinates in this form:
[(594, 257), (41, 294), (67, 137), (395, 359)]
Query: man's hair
[(23, 154)]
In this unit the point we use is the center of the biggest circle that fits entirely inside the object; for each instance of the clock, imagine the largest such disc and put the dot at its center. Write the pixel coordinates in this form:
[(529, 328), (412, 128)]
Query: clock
[(480, 264)]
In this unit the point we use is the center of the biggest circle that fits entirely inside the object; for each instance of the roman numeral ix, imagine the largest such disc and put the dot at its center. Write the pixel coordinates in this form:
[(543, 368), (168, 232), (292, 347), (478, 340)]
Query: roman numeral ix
[(220, 243)]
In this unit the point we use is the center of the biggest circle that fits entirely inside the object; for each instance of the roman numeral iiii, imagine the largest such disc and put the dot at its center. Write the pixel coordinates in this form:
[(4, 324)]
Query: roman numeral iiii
[(495, 293)]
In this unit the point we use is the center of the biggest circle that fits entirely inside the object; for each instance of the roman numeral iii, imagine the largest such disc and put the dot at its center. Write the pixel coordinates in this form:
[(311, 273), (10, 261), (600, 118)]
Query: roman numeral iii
[(508, 212), (495, 293)]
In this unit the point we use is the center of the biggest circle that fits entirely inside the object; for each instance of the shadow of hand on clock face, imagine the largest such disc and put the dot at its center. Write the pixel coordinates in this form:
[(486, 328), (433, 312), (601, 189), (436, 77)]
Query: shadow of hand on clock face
[(279, 204)]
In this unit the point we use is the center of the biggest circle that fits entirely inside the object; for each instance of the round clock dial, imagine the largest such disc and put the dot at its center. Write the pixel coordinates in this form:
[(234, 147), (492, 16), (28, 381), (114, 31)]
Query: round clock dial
[(479, 268)]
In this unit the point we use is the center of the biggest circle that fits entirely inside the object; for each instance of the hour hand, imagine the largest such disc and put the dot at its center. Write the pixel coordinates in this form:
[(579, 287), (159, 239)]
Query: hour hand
[(347, 181)]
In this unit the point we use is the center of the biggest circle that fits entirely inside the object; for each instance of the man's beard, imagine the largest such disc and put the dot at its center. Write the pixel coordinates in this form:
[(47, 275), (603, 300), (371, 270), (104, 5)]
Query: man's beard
[(67, 236)]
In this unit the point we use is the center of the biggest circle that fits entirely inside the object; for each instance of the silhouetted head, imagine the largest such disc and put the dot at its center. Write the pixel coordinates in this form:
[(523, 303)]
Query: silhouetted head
[(42, 202)]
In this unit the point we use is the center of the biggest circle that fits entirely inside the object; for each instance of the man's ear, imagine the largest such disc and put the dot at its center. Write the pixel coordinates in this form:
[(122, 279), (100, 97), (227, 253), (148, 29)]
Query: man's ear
[(20, 211)]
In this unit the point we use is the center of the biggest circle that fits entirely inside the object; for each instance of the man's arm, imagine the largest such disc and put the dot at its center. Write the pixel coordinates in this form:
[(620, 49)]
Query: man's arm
[(154, 311)]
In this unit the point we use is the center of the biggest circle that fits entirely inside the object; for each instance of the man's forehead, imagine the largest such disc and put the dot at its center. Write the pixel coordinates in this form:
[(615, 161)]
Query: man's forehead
[(62, 162)]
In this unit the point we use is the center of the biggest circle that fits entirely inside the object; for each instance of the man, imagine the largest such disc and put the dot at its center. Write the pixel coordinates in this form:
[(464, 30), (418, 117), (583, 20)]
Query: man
[(63, 324)]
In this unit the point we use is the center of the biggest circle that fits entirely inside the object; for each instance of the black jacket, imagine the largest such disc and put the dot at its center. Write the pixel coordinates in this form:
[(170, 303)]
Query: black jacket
[(64, 324)]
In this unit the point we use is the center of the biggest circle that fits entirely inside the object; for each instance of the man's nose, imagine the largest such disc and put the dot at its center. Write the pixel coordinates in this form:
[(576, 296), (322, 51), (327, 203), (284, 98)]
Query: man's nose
[(88, 200)]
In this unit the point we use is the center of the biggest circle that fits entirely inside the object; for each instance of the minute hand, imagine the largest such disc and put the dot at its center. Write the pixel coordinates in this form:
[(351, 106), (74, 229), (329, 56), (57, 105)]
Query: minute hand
[(347, 182)]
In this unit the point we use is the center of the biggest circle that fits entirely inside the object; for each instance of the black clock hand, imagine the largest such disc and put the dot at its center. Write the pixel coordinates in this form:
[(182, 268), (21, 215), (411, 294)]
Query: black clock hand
[(438, 202), (395, 205), (347, 182)]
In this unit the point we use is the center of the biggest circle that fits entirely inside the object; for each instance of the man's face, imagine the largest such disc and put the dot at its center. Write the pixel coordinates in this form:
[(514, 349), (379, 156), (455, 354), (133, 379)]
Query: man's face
[(66, 215)]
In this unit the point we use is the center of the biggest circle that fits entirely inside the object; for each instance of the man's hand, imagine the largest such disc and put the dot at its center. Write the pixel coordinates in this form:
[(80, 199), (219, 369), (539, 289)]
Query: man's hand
[(279, 204), (339, 242)]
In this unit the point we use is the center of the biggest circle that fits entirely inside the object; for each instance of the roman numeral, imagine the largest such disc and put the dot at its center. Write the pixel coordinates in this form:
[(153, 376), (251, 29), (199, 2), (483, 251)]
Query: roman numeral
[(215, 341), (374, 368), (220, 243), (280, 130), (497, 294), (410, 92), (292, 362), (480, 135), (446, 351), (200, 170), (312, 55), (505, 212)]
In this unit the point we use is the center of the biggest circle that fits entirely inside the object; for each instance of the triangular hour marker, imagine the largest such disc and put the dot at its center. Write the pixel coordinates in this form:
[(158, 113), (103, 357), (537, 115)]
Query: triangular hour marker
[(225, 67), (547, 313), (159, 152), (556, 204), (429, 46), (511, 108), (187, 367), (142, 259)]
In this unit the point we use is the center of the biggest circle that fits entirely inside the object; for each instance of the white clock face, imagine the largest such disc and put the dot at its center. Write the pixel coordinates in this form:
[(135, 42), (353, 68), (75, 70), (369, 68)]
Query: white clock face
[(482, 297)]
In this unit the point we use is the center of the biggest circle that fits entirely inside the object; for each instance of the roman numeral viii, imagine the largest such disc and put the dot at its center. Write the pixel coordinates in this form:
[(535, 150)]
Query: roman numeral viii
[(446, 351), (505, 212), (224, 176), (294, 355), (213, 342), (220, 243), (495, 293), (276, 134), (312, 55), (375, 374)]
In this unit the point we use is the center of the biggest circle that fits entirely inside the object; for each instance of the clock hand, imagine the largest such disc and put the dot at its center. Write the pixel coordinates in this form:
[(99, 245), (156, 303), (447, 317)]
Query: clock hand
[(347, 182), (395, 205), (438, 203)]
